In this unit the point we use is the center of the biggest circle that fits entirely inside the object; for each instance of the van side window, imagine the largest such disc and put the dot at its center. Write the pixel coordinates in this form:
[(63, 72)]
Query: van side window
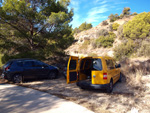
[(72, 65), (97, 64), (110, 64)]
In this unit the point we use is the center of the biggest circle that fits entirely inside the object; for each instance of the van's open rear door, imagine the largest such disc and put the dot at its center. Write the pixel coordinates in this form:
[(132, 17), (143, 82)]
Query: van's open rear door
[(72, 69)]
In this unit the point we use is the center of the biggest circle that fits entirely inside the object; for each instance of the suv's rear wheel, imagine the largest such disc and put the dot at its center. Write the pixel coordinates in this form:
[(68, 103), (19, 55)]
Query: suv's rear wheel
[(110, 87), (17, 78), (52, 75)]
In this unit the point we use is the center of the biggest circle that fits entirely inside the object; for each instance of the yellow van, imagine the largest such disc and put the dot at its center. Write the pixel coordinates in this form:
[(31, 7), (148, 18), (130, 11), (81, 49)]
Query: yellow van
[(93, 72)]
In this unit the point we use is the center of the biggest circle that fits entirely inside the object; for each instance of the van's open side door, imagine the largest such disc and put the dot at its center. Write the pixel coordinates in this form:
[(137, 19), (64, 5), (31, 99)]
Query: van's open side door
[(72, 70)]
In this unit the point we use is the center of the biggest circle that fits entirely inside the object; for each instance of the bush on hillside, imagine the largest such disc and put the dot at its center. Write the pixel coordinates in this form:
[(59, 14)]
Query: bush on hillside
[(104, 23), (110, 27), (115, 26), (144, 50), (113, 17), (102, 32), (138, 27), (121, 16), (124, 50), (135, 13), (120, 31), (104, 41), (126, 11)]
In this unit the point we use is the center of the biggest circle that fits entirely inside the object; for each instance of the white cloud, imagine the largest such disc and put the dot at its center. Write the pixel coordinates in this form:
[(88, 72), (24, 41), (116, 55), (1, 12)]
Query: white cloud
[(93, 11), (96, 14), (120, 3), (75, 4)]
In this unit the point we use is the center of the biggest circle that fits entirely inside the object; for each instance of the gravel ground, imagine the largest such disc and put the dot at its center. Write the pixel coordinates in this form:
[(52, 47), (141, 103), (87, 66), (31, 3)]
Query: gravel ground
[(123, 99)]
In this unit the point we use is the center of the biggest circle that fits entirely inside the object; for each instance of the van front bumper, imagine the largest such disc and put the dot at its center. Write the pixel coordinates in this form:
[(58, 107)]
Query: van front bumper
[(88, 85)]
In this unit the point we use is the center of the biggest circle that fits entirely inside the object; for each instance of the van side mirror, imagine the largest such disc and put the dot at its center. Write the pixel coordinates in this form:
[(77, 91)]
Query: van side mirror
[(118, 66)]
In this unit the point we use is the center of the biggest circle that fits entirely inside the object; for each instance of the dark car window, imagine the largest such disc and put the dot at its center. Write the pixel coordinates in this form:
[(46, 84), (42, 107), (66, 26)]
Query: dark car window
[(19, 63), (97, 64), (38, 64), (28, 64), (72, 65), (110, 64)]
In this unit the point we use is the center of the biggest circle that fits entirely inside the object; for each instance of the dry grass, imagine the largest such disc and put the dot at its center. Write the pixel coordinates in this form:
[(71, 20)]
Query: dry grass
[(134, 78)]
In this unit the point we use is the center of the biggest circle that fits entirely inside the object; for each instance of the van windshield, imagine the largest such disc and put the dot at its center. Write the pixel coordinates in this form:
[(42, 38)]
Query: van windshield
[(97, 64)]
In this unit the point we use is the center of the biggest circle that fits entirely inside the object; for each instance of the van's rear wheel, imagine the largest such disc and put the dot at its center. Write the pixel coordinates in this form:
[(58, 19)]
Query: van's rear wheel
[(110, 87), (17, 78)]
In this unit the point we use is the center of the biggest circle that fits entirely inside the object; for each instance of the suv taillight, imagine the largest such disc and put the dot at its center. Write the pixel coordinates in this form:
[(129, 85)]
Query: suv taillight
[(104, 75), (8, 67)]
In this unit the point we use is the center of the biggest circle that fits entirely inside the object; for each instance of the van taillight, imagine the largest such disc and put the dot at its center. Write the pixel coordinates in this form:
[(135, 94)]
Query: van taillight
[(7, 68), (104, 75)]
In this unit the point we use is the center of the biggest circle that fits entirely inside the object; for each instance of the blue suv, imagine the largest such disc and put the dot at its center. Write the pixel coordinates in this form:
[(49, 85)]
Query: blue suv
[(20, 69)]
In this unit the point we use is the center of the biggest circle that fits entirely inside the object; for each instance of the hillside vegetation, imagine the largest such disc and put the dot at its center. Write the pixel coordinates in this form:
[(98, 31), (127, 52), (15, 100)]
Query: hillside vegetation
[(122, 36)]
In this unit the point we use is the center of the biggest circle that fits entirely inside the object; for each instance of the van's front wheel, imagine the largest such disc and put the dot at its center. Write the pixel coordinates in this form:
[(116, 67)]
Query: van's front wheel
[(110, 87)]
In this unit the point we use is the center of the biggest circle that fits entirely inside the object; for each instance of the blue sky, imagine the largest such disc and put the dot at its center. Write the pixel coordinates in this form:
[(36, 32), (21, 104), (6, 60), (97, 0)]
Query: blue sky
[(95, 11)]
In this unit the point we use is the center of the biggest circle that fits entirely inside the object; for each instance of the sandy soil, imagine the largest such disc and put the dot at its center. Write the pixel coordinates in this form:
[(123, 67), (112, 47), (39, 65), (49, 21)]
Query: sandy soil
[(123, 99)]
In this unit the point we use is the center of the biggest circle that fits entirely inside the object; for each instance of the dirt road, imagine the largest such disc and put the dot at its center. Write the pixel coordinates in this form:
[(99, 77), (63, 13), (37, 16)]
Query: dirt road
[(123, 99), (16, 99)]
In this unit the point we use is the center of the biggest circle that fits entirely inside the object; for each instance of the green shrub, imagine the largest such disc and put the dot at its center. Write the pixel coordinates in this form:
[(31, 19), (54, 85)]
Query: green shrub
[(126, 11), (1, 60), (124, 50), (104, 23), (138, 27), (110, 27), (102, 32), (104, 41), (121, 16), (135, 13), (144, 50), (113, 17), (34, 55), (115, 26), (120, 31)]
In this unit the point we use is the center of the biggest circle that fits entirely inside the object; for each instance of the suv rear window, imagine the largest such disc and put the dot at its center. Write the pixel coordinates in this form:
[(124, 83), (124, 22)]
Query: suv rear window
[(97, 64)]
